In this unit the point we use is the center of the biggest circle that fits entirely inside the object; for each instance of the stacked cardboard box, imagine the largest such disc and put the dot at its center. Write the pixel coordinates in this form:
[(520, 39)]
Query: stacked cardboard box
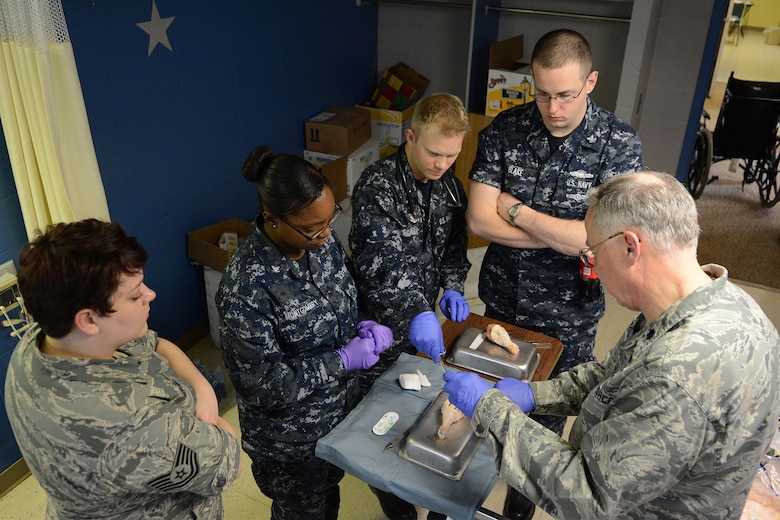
[(343, 141), (399, 88), (340, 133), (509, 81), (338, 130), (389, 126), (392, 105), (203, 248), (344, 171)]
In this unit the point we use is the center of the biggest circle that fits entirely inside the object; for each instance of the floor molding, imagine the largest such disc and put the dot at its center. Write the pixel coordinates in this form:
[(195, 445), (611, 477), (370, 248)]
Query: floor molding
[(13, 476)]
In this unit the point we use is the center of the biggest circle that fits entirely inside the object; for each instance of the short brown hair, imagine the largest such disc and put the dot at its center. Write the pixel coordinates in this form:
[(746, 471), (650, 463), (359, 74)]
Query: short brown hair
[(443, 109), (561, 47), (75, 266)]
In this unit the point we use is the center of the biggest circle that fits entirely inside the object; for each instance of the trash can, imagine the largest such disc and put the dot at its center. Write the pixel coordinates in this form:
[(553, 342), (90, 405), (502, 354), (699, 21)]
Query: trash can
[(772, 36), (207, 247)]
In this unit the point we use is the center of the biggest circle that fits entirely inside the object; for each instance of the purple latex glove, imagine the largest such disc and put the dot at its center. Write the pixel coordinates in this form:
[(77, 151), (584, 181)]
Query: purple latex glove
[(454, 305), (358, 353), (426, 335), (465, 389), (519, 392), (382, 336)]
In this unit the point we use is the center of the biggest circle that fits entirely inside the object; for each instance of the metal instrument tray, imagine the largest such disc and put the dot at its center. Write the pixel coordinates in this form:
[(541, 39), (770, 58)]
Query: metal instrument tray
[(473, 351), (448, 457)]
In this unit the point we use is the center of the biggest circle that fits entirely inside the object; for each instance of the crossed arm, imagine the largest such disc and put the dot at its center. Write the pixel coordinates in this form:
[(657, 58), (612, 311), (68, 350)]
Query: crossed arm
[(207, 407), (488, 217)]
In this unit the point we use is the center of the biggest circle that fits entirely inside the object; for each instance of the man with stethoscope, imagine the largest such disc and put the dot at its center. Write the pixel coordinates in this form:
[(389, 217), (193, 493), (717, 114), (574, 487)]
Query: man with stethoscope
[(409, 240)]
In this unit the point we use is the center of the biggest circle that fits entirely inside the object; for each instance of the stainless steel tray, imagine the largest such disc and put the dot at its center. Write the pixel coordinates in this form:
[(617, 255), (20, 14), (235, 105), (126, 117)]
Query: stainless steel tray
[(490, 359), (448, 457)]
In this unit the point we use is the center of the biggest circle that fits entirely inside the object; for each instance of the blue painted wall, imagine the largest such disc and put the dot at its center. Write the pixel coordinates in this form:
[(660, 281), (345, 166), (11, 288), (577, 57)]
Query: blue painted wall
[(171, 130), (12, 236)]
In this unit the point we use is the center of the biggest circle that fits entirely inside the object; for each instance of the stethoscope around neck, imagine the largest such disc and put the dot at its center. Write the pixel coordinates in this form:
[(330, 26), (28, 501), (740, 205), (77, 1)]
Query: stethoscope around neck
[(415, 211)]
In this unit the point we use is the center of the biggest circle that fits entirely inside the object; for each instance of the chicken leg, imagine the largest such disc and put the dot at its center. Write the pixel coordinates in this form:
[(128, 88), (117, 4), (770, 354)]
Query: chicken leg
[(498, 335), (449, 416)]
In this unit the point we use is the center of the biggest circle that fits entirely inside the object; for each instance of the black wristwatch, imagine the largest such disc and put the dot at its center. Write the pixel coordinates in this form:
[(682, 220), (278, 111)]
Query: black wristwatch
[(513, 211)]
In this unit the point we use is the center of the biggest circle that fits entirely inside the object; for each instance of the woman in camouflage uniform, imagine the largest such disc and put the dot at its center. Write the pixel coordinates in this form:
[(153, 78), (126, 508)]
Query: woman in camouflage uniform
[(98, 402), (290, 337)]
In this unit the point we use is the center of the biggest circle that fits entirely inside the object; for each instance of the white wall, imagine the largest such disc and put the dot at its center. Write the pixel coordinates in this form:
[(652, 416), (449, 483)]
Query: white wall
[(434, 41)]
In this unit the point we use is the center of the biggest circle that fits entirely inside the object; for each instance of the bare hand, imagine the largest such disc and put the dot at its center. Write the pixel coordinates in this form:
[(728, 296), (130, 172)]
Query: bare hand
[(503, 203), (222, 423)]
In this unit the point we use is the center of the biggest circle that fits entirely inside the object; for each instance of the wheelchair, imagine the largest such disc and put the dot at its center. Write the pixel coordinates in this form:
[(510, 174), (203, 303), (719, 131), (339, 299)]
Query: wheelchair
[(746, 132)]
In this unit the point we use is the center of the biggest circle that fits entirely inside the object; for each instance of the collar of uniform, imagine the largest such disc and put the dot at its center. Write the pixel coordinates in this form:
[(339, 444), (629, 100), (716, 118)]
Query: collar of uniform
[(588, 128), (126, 366), (436, 187), (691, 304), (274, 260), (406, 169)]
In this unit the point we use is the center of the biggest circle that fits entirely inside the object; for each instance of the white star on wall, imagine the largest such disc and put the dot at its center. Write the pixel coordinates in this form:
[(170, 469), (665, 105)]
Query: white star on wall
[(156, 29)]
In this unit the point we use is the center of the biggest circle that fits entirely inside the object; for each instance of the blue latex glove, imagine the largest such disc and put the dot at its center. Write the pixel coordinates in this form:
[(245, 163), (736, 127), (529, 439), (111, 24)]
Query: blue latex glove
[(358, 353), (519, 392), (382, 336), (465, 389), (454, 305), (426, 336)]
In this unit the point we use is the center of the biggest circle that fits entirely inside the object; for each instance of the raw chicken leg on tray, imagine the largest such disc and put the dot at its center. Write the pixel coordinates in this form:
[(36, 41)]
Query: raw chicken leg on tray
[(449, 416), (498, 335), (449, 413)]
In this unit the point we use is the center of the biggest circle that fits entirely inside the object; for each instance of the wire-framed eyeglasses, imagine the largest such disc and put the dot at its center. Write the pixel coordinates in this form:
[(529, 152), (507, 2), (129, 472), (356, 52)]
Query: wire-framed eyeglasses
[(587, 255), (543, 97), (336, 212)]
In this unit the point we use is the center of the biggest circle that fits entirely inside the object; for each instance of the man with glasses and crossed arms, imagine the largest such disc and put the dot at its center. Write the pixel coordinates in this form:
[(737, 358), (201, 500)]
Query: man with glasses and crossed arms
[(534, 166)]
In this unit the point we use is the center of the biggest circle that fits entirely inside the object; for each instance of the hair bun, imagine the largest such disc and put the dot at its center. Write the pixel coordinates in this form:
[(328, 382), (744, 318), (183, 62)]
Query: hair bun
[(255, 164)]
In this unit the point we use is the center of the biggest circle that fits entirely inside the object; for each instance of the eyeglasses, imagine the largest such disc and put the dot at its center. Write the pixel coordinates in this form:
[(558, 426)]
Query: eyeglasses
[(587, 255), (541, 97), (336, 212)]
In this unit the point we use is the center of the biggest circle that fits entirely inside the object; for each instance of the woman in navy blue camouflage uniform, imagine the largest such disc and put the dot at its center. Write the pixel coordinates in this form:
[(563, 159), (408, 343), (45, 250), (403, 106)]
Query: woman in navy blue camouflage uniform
[(290, 337)]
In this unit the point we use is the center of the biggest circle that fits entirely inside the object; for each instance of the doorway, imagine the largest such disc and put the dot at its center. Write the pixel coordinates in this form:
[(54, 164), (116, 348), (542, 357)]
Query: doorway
[(749, 57)]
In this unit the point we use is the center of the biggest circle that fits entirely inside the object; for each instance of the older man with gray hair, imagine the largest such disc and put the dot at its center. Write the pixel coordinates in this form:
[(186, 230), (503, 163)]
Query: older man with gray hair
[(673, 424)]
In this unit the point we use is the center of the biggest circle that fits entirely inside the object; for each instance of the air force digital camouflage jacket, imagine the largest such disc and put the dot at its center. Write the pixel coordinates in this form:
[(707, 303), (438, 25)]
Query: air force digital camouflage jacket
[(673, 424), (116, 439), (537, 288), (403, 255), (282, 322)]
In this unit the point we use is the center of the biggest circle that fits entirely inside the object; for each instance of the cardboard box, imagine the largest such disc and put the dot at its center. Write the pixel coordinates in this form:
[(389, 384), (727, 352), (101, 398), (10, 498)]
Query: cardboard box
[(336, 172), (389, 126), (509, 81), (387, 150), (468, 152), (344, 174), (338, 130), (399, 87), (203, 244)]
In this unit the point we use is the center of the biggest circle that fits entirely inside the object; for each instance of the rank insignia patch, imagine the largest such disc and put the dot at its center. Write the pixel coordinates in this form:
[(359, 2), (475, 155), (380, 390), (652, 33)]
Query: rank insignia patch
[(185, 467)]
